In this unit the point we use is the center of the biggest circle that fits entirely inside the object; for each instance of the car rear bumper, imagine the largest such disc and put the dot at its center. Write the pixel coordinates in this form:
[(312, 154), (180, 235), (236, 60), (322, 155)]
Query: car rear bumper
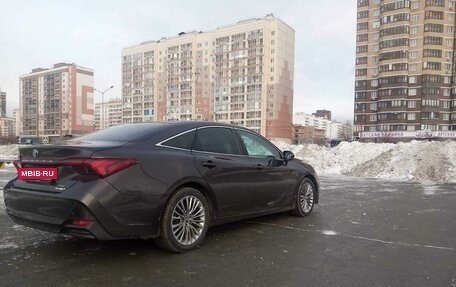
[(107, 210)]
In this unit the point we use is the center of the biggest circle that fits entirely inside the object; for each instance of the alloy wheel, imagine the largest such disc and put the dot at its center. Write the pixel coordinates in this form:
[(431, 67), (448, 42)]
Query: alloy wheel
[(306, 197), (188, 220)]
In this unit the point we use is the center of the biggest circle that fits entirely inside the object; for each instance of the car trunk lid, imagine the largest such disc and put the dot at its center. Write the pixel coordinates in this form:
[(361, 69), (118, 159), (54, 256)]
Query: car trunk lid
[(69, 158)]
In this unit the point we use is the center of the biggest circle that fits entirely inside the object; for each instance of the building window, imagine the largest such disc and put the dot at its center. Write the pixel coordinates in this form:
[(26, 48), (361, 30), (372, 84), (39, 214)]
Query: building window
[(438, 3), (435, 66), (362, 26), (363, 14), (359, 61), (361, 37), (432, 53), (412, 92), (359, 49), (431, 40), (411, 116), (411, 104), (435, 28), (361, 72), (362, 3), (438, 15), (430, 103)]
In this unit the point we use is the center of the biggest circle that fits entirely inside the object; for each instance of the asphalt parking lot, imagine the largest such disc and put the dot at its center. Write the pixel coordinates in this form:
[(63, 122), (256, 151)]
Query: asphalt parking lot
[(364, 232)]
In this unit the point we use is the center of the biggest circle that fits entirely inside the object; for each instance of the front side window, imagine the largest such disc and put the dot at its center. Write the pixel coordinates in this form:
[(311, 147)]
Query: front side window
[(216, 140), (258, 147)]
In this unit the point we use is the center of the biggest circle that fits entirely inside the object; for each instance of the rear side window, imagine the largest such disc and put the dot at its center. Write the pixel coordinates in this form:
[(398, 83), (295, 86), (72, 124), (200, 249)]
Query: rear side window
[(183, 141), (218, 140)]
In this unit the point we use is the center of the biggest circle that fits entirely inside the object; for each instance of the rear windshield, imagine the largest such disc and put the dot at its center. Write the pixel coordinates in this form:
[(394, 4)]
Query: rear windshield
[(124, 133)]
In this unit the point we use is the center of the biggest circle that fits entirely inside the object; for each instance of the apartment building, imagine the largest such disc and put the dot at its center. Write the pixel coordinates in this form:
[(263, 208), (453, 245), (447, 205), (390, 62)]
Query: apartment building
[(309, 120), (57, 101), (405, 63), (241, 74), (7, 127), (2, 104), (108, 114)]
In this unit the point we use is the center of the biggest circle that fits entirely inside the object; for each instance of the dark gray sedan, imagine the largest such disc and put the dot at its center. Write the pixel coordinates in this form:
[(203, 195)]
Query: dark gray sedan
[(168, 181)]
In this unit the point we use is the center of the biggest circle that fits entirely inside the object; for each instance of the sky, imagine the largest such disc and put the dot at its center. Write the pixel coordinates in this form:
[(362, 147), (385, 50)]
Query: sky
[(38, 33)]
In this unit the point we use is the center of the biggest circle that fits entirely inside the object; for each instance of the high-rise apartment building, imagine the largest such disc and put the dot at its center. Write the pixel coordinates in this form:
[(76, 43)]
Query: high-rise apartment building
[(241, 74), (56, 101), (7, 127), (405, 68), (108, 114), (2, 104)]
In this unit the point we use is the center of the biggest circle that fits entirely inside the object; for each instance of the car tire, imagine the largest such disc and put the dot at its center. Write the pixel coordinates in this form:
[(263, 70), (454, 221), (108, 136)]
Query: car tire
[(184, 221), (304, 198)]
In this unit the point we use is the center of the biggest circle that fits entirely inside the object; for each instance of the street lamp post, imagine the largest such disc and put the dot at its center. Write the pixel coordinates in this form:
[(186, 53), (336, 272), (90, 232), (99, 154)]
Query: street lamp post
[(102, 105)]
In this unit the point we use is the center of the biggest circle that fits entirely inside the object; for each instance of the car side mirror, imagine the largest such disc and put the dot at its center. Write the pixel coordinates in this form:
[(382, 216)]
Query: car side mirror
[(288, 155)]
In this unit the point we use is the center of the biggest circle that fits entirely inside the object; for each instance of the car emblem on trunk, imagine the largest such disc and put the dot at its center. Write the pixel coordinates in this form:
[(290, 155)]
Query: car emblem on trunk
[(35, 153)]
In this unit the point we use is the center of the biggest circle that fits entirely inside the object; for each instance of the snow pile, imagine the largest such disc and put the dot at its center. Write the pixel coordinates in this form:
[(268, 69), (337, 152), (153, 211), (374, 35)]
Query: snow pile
[(415, 161), (9, 151)]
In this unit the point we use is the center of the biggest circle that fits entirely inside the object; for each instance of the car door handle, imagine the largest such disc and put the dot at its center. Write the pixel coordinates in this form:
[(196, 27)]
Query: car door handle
[(208, 164), (259, 167)]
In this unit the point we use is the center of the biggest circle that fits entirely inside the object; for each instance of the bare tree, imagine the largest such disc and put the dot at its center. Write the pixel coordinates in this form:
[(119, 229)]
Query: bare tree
[(346, 131)]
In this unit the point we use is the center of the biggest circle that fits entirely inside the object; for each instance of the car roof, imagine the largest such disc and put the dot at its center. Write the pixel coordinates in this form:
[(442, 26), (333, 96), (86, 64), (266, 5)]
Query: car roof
[(166, 129), (183, 125)]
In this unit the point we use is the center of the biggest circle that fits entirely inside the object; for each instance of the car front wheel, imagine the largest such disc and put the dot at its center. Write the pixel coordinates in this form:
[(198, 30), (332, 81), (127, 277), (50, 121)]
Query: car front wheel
[(305, 198), (185, 221)]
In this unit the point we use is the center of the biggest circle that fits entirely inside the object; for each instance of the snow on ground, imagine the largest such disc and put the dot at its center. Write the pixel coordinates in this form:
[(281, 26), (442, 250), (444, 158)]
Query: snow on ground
[(422, 161)]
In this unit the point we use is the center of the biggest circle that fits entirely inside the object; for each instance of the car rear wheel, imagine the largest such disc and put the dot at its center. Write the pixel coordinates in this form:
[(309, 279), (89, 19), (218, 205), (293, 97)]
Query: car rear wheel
[(185, 221), (305, 198)]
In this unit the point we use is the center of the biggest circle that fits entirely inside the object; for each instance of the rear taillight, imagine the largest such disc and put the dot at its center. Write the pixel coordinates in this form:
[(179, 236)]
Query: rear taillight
[(81, 222), (103, 167)]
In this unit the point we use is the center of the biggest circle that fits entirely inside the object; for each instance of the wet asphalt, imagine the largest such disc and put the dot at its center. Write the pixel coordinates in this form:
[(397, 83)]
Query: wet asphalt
[(364, 232)]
